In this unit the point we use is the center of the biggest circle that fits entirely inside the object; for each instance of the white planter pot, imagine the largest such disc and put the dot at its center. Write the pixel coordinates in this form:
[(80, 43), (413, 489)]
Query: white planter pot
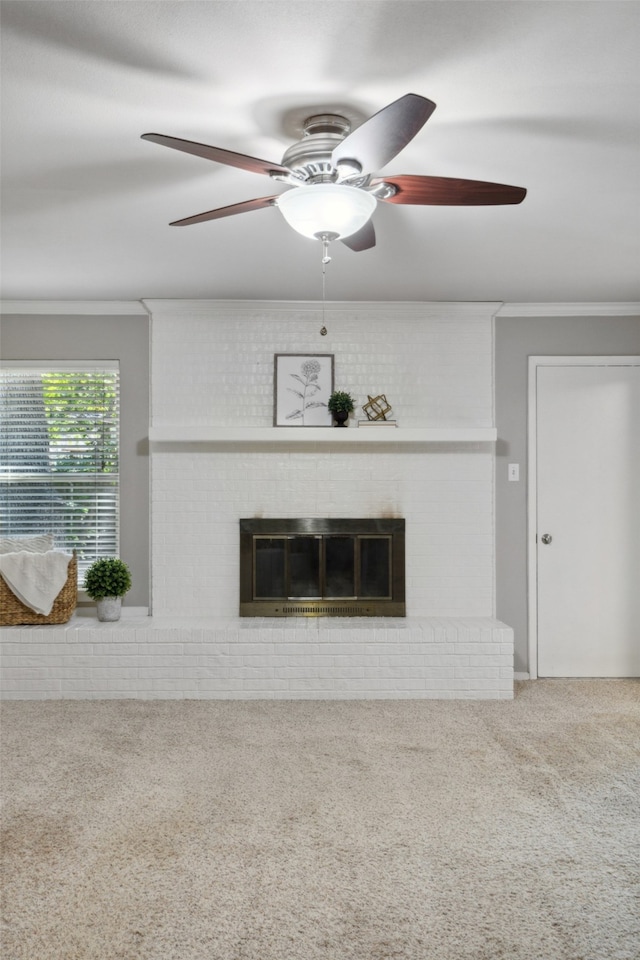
[(109, 608)]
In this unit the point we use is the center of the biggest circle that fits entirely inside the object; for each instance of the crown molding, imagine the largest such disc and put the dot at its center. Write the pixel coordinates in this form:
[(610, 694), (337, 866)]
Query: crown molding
[(88, 308), (616, 309), (252, 310)]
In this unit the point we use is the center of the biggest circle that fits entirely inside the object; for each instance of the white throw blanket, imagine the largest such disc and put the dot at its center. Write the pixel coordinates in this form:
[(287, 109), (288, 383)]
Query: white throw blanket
[(35, 578)]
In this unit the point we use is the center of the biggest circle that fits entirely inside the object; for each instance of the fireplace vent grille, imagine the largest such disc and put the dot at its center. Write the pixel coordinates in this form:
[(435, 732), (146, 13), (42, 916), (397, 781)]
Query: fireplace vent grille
[(351, 611)]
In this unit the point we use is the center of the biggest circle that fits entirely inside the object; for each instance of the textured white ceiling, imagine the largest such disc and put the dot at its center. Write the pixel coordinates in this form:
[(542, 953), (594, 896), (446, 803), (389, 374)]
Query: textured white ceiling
[(544, 95)]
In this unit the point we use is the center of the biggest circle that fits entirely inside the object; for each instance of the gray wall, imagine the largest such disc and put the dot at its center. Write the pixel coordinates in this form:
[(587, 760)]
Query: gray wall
[(123, 338), (516, 339)]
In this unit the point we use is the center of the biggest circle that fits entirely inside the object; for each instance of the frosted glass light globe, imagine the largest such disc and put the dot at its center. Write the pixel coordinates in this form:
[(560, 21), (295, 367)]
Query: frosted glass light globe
[(326, 208)]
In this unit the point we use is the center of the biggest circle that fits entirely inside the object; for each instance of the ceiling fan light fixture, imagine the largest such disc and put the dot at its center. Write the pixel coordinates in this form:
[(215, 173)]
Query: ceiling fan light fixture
[(334, 189), (326, 208)]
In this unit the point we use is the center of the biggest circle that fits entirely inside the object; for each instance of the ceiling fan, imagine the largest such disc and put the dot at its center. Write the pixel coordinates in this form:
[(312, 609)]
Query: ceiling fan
[(330, 171)]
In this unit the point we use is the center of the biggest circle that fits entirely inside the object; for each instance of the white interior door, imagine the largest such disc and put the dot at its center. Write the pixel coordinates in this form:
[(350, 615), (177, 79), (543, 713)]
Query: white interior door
[(588, 511)]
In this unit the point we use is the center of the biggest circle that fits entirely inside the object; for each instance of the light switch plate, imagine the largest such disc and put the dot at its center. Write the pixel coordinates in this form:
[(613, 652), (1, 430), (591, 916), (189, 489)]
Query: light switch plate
[(514, 471)]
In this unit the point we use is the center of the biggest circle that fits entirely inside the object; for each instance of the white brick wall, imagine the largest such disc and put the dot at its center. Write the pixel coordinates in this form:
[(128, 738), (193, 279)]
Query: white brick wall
[(213, 362), (433, 361)]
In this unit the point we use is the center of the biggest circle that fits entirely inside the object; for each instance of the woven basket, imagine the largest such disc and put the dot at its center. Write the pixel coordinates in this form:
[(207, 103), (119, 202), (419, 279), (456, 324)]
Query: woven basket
[(13, 612)]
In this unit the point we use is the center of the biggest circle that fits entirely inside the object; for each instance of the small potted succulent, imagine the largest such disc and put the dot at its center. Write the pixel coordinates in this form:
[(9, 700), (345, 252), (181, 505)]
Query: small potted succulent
[(106, 581), (340, 404)]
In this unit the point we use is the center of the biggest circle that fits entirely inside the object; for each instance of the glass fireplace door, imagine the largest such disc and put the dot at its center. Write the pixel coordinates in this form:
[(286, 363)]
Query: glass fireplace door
[(315, 567)]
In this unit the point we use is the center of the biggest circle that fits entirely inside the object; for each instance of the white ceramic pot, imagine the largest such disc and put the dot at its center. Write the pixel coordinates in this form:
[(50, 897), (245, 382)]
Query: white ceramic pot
[(109, 608)]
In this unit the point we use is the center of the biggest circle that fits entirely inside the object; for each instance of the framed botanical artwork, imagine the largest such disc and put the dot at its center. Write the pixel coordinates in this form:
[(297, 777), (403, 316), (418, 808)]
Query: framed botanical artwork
[(302, 385)]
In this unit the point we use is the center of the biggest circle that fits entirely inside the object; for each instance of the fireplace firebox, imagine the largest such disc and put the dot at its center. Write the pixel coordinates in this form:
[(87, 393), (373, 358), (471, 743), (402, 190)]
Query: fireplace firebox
[(314, 567)]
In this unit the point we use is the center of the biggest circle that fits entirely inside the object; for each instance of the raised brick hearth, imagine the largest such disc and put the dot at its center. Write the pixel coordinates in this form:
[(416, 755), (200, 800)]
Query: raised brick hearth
[(147, 658)]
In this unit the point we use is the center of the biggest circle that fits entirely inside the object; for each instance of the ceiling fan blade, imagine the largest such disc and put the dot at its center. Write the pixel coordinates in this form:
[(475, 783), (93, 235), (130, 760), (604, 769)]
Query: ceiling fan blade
[(363, 239), (232, 159), (380, 138), (449, 191), (229, 211)]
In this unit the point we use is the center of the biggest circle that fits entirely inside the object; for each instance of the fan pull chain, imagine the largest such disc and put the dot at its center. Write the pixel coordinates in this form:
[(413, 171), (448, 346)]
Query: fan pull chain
[(325, 260)]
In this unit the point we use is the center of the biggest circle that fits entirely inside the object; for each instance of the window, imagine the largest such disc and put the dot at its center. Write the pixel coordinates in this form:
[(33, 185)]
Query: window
[(59, 457)]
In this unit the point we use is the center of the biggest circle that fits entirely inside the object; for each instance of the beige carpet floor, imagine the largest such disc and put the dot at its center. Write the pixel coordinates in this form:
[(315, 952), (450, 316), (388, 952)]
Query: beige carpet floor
[(421, 830)]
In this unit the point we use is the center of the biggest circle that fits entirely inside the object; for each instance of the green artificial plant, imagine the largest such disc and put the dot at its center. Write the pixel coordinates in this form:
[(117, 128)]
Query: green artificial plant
[(107, 577), (339, 402)]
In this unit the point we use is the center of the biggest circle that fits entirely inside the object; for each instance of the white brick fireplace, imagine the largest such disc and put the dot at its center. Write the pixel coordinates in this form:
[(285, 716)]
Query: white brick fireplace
[(216, 458)]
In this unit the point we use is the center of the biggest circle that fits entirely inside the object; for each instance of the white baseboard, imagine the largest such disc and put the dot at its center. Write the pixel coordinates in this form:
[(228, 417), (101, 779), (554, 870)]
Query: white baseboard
[(521, 676)]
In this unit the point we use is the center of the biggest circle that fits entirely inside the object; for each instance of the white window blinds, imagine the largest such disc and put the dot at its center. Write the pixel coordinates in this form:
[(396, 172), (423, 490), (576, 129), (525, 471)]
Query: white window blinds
[(59, 457)]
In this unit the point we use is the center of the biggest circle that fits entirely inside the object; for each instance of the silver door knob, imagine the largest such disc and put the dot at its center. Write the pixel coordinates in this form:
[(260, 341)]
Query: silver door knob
[(546, 538)]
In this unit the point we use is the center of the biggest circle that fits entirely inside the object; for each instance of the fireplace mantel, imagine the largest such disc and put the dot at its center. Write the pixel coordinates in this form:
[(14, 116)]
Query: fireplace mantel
[(175, 432)]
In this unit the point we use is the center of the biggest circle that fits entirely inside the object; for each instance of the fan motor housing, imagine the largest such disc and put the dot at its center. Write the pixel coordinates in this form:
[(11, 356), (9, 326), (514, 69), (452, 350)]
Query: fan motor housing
[(310, 157)]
